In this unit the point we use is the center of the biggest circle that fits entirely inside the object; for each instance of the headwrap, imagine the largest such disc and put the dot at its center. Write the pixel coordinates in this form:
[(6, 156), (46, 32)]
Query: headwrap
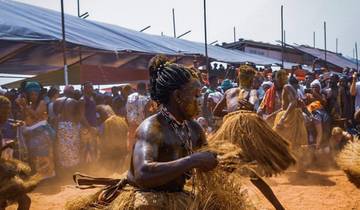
[(32, 87), (226, 85)]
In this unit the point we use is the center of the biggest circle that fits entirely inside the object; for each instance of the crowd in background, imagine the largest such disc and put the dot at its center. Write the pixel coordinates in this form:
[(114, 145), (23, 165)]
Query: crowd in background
[(57, 131)]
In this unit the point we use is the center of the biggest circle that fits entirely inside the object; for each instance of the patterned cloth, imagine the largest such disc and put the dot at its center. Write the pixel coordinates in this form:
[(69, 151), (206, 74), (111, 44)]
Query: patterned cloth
[(39, 141), (68, 144), (135, 108)]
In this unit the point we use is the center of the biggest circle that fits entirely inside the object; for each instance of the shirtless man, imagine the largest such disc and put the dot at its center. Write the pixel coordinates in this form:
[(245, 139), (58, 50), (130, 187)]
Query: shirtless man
[(290, 124), (271, 104), (163, 153)]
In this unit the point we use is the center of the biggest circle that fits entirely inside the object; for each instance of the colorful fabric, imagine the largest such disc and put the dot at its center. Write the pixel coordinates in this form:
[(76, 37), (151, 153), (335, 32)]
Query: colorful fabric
[(68, 144), (269, 100), (316, 105), (135, 108), (39, 141)]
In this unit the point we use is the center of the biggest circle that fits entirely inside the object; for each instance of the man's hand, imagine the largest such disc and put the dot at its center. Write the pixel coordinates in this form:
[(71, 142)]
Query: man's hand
[(204, 161)]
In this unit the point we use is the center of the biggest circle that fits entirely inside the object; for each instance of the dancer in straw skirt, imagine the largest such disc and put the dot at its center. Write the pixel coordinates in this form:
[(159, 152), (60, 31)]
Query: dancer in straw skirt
[(349, 161), (164, 156)]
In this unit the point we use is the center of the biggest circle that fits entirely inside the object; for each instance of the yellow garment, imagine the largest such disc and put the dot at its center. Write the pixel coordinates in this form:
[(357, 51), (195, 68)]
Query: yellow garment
[(115, 133), (293, 128)]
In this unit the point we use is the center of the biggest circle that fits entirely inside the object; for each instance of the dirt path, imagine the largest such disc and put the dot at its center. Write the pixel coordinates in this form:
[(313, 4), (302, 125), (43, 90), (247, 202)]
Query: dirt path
[(315, 191)]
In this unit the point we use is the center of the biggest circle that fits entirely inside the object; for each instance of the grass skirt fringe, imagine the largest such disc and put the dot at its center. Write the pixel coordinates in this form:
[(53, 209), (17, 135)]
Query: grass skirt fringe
[(349, 161), (258, 142), (293, 129), (15, 179)]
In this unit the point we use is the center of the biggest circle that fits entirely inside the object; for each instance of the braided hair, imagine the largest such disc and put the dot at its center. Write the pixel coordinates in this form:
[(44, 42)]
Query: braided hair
[(166, 77)]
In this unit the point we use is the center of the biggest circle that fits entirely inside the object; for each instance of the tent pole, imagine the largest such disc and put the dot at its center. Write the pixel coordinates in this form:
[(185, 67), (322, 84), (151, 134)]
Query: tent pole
[(357, 58), (282, 36), (64, 43), (206, 47), (325, 44), (78, 7), (173, 14), (314, 39), (337, 44), (234, 34)]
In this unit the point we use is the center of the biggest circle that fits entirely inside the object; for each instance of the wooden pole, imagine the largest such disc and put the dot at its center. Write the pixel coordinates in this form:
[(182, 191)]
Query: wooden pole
[(66, 79)]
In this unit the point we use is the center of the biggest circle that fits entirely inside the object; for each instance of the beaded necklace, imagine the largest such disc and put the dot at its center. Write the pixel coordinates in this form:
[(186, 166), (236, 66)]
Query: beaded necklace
[(182, 131)]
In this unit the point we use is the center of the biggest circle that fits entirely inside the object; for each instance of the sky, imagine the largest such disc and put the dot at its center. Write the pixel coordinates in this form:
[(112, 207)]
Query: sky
[(257, 20)]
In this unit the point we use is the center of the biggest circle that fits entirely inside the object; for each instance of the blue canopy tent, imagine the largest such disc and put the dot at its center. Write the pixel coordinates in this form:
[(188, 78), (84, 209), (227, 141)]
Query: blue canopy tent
[(30, 40)]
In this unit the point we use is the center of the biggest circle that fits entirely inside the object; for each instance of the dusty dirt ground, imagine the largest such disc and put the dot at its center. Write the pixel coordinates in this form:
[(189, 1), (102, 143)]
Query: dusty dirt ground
[(317, 190)]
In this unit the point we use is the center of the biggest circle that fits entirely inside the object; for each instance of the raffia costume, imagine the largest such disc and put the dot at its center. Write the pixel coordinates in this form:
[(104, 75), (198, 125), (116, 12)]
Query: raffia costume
[(15, 180), (121, 194), (244, 143), (349, 161)]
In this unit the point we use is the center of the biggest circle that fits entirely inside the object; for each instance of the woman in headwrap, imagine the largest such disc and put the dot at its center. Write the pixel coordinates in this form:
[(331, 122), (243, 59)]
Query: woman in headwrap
[(38, 133)]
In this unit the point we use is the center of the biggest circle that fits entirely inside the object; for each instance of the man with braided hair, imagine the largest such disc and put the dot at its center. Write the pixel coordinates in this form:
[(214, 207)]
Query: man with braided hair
[(163, 155), (14, 175)]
